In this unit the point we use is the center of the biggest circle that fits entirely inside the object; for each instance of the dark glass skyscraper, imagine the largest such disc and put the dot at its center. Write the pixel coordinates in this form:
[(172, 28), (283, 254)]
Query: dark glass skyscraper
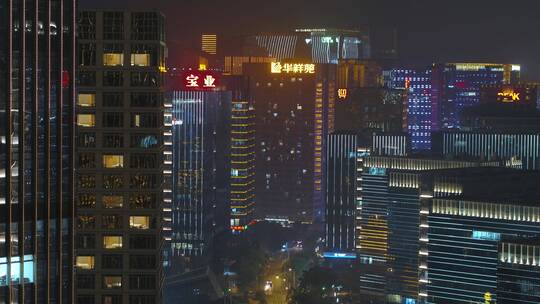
[(201, 166), (340, 192), (37, 69)]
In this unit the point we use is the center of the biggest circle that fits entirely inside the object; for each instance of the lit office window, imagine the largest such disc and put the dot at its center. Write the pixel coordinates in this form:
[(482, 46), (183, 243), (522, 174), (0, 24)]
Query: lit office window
[(139, 222), (86, 100), (112, 282), (112, 241), (86, 120), (113, 161), (140, 60), (85, 262), (113, 59), (113, 201)]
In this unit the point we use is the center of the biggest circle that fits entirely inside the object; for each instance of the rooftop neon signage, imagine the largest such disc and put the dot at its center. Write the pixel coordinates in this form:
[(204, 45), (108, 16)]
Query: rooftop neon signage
[(509, 96), (292, 68), (200, 80)]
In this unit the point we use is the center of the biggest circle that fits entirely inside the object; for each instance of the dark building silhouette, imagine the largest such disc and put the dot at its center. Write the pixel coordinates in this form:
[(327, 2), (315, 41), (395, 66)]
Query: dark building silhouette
[(37, 93), (121, 209), (293, 112)]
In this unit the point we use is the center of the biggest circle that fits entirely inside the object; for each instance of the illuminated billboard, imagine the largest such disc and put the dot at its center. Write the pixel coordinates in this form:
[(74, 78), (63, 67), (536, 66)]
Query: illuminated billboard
[(200, 80), (292, 68)]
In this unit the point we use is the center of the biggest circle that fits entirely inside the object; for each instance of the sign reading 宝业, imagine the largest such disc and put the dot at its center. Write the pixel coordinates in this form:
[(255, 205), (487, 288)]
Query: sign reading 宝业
[(199, 80), (292, 68)]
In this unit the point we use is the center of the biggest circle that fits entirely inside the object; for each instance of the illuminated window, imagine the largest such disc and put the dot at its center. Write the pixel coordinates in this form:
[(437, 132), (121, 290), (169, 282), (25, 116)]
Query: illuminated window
[(139, 222), (86, 120), (140, 60), (86, 100), (113, 59), (112, 282), (113, 201), (112, 241), (85, 261), (113, 161)]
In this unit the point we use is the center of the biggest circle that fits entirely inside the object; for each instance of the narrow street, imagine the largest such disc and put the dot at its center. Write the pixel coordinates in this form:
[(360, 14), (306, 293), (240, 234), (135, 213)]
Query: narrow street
[(278, 293)]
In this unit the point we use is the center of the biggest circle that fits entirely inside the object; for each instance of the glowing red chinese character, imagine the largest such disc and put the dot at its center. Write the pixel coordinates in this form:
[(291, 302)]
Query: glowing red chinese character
[(192, 81), (209, 81)]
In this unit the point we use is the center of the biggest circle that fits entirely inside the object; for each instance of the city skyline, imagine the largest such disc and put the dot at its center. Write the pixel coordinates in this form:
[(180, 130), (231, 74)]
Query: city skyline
[(269, 152), (428, 32)]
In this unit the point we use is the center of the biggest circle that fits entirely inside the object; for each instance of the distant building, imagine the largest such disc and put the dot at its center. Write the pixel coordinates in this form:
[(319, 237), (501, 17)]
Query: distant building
[(294, 105), (459, 85), (209, 43), (504, 108), (120, 207), (374, 108), (438, 95), (323, 46), (515, 150), (420, 107)]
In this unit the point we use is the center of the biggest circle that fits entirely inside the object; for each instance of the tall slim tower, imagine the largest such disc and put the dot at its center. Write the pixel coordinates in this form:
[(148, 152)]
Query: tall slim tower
[(37, 51), (201, 166), (120, 166), (242, 165)]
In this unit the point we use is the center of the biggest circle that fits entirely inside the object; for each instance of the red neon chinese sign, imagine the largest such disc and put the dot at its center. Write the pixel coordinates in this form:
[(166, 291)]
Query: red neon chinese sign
[(200, 80)]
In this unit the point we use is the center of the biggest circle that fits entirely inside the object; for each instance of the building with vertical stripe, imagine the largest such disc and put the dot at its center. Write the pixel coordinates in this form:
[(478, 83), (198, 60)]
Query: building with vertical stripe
[(37, 94), (517, 150), (120, 186), (341, 184), (242, 195), (201, 171), (323, 46)]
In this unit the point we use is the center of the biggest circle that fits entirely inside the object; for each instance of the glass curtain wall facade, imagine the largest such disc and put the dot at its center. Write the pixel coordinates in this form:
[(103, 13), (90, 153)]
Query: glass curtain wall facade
[(37, 54), (202, 171), (340, 192)]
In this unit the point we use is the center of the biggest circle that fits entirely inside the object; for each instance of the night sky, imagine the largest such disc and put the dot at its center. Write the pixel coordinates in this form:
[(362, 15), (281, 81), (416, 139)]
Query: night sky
[(428, 31)]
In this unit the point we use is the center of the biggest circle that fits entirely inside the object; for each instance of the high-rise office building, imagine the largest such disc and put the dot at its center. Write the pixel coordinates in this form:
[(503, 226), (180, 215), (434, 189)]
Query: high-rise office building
[(421, 109), (323, 46), (119, 160), (374, 108), (504, 108), (293, 111), (516, 150), (481, 240), (37, 93), (388, 225), (340, 184), (457, 86), (242, 165), (438, 95), (201, 172)]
